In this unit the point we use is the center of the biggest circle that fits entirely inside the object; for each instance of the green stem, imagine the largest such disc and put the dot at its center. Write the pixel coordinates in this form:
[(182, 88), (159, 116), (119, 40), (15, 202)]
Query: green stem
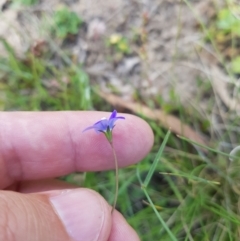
[(116, 177)]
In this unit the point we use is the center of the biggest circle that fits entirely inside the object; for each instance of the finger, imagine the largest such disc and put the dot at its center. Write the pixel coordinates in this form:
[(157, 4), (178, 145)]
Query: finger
[(78, 214), (70, 215), (40, 186), (43, 145), (119, 225)]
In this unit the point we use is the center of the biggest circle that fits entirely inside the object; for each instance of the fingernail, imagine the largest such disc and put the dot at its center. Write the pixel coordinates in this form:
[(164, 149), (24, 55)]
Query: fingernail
[(81, 212)]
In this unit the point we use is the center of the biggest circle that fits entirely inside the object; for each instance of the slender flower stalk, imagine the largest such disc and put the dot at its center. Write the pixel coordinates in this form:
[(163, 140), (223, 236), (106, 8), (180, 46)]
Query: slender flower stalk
[(116, 178), (106, 126)]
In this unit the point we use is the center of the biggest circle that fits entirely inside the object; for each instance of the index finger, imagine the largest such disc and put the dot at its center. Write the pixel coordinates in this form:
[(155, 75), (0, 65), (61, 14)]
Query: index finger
[(36, 145)]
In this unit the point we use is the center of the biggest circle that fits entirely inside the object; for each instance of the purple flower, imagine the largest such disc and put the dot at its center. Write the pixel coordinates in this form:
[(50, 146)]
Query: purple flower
[(106, 125)]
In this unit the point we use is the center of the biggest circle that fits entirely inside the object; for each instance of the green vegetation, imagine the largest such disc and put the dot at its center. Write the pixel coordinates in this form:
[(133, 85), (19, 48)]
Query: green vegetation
[(35, 84), (119, 43), (25, 2), (227, 20), (225, 31), (66, 22), (180, 191)]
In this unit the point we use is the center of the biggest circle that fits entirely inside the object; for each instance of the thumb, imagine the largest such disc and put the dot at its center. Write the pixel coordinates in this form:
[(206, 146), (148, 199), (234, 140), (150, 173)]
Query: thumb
[(72, 215)]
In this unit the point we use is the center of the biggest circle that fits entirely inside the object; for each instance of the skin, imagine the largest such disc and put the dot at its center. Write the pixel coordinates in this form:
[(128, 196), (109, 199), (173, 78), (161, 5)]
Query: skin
[(36, 147)]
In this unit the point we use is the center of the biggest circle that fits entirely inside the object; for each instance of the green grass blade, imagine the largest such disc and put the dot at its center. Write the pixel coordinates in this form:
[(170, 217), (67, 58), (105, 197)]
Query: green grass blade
[(150, 200), (159, 216), (206, 147), (155, 162)]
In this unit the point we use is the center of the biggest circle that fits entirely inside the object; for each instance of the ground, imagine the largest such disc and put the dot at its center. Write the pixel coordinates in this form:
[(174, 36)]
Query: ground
[(166, 54)]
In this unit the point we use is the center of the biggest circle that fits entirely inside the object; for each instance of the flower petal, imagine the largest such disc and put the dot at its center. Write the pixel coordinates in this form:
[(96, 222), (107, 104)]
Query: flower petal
[(113, 120), (104, 124), (113, 115), (101, 125), (89, 128)]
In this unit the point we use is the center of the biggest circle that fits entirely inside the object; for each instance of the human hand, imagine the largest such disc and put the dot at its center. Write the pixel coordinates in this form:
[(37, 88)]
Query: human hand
[(35, 147)]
